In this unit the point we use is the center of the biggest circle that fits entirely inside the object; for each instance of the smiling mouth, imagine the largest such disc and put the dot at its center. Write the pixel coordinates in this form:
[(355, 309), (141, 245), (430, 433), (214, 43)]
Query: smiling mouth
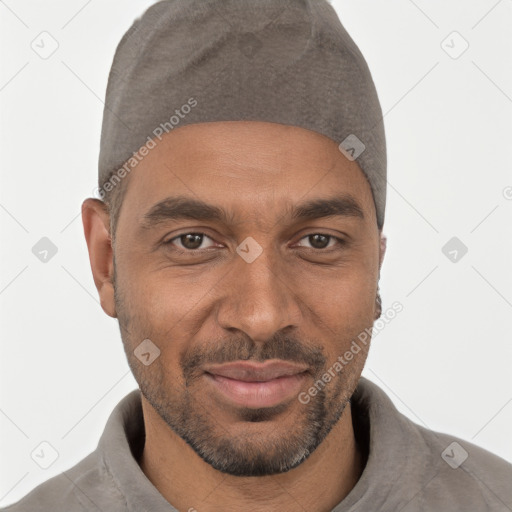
[(257, 385)]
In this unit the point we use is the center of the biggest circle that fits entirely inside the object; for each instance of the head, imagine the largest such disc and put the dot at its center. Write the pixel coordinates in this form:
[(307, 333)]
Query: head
[(240, 230), (304, 286)]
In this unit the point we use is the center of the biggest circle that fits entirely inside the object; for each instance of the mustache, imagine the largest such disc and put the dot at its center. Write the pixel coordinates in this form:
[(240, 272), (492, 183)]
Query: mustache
[(244, 348)]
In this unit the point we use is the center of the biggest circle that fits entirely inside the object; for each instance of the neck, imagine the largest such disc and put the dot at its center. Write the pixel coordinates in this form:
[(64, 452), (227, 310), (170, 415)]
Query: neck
[(322, 481)]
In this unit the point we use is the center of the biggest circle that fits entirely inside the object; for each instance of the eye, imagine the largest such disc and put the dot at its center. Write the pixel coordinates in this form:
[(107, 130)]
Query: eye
[(321, 241), (189, 241)]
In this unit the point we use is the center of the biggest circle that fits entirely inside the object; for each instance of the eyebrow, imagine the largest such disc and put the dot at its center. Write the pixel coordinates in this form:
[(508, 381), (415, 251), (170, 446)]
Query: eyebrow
[(185, 208)]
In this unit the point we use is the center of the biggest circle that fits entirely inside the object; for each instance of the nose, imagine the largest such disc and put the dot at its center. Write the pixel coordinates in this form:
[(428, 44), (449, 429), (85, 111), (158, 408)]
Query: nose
[(259, 298)]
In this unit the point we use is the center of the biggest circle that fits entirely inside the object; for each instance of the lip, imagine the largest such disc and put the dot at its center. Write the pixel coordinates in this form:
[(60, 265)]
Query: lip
[(257, 385), (249, 371)]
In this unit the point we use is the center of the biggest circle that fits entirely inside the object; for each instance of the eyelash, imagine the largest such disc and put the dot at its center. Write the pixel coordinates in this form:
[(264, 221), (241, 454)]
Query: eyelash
[(340, 242)]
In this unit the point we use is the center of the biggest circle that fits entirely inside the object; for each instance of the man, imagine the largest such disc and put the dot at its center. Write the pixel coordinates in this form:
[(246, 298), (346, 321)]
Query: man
[(239, 245)]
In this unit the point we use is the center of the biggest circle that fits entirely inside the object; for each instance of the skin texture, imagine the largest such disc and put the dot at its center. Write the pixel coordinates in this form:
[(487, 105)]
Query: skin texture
[(303, 299)]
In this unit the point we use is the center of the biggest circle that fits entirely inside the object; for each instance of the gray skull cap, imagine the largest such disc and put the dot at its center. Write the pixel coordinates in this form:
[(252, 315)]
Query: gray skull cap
[(283, 61)]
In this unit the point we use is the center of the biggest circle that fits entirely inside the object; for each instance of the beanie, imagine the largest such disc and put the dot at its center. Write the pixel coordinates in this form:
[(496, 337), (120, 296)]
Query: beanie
[(283, 61)]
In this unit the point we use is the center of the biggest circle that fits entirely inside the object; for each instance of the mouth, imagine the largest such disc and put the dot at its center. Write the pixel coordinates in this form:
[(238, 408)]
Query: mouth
[(256, 385)]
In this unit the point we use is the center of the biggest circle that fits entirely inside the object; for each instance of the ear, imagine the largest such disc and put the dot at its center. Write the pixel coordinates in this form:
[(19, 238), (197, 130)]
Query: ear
[(96, 222), (382, 249)]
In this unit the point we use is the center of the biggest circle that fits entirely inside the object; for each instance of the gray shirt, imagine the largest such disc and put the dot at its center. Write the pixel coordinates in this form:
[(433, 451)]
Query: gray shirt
[(409, 468)]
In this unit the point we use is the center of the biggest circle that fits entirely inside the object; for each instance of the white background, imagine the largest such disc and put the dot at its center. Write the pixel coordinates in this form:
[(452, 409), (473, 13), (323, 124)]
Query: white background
[(445, 360)]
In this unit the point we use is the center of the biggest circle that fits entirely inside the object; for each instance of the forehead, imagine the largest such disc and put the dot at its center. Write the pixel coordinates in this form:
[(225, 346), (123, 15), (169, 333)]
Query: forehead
[(249, 165)]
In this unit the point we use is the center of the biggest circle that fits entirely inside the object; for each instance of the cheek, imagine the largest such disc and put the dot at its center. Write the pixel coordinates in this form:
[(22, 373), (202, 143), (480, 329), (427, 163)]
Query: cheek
[(342, 308), (342, 293), (163, 293), (167, 310)]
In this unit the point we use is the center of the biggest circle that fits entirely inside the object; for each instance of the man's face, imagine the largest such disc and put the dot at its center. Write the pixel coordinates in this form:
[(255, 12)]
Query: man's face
[(181, 283)]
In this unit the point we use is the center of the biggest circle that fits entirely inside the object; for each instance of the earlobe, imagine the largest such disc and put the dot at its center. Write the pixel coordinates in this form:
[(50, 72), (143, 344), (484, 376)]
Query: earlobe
[(95, 220), (378, 305), (382, 252)]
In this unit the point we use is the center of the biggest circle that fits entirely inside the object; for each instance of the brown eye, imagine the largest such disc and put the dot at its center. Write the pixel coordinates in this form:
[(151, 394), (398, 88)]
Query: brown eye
[(321, 241), (191, 240), (188, 241)]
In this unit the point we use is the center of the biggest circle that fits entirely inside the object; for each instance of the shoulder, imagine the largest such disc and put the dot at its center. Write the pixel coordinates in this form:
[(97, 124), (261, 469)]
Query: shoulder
[(85, 486), (413, 468), (463, 473)]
